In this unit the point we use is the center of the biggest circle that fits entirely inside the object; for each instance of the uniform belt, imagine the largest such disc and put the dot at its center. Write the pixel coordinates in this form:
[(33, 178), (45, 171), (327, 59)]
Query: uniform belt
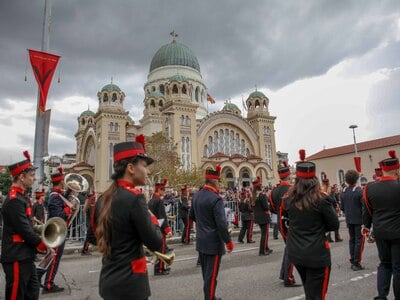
[(16, 238)]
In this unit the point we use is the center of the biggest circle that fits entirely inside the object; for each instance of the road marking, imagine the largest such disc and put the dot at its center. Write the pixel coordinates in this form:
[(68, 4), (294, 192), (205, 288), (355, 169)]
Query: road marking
[(94, 271), (297, 297)]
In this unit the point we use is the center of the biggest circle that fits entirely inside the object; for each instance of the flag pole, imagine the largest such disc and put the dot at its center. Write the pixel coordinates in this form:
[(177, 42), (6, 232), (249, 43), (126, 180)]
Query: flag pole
[(40, 116)]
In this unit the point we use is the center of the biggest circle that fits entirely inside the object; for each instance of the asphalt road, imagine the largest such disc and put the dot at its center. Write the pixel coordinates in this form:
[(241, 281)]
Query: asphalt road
[(243, 275)]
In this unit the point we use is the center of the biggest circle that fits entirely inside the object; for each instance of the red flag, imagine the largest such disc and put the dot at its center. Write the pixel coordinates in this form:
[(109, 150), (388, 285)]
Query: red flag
[(43, 65), (210, 99), (357, 162)]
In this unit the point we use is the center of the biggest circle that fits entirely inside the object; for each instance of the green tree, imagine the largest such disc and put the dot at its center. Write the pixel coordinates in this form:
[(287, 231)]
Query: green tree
[(5, 181)]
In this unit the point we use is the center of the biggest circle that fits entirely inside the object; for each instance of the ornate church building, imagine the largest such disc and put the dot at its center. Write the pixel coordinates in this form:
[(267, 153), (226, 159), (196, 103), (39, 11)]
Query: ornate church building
[(175, 103)]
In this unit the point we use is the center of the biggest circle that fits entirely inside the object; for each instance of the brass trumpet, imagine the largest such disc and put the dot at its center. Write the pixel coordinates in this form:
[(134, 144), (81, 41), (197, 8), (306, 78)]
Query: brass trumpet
[(167, 259), (53, 232)]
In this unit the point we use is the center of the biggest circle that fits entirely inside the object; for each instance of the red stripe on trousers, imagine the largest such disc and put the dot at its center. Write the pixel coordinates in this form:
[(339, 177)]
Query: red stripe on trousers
[(250, 232), (53, 264), (213, 278), (187, 230), (160, 269), (361, 249), (14, 291), (266, 237), (290, 274), (325, 283)]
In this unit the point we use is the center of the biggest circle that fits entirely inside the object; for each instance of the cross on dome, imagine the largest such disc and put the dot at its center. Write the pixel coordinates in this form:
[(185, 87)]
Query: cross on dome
[(174, 35)]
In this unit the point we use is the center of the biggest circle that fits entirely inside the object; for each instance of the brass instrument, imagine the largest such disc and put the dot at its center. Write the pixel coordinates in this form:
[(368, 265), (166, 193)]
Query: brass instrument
[(370, 237), (53, 232), (167, 259), (75, 184), (171, 217)]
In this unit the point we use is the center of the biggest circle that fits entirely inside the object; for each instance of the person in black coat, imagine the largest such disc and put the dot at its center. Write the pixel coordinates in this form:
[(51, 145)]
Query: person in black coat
[(261, 216), (351, 203), (38, 207), (246, 216), (275, 200), (381, 199), (184, 207), (20, 242), (212, 234), (124, 225), (310, 215), (157, 207), (89, 210), (336, 206)]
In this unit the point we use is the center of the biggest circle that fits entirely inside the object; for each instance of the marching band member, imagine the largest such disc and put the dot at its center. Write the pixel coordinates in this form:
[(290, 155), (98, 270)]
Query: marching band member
[(38, 207), (157, 207), (275, 200), (351, 203), (89, 210), (211, 230), (20, 242), (247, 217), (381, 199), (310, 214), (326, 188), (124, 224), (184, 208), (56, 208), (261, 216)]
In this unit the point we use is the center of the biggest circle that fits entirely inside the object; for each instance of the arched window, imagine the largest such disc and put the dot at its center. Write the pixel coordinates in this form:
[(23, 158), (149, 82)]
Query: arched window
[(242, 147), (221, 141), (153, 88), (232, 141), (237, 147), (160, 104), (111, 127), (83, 122), (175, 89), (182, 120), (226, 142), (116, 127), (268, 154), (152, 104), (114, 97), (161, 87), (184, 89), (205, 151), (196, 94), (341, 177), (215, 147), (90, 122), (105, 98), (210, 146), (257, 104)]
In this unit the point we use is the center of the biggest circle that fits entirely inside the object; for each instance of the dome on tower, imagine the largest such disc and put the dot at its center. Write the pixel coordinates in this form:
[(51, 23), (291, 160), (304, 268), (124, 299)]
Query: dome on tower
[(110, 88), (173, 54), (87, 113), (178, 77), (230, 107), (257, 94)]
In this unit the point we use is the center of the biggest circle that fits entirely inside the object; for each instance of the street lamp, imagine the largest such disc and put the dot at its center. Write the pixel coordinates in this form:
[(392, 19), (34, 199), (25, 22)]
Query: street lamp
[(354, 137)]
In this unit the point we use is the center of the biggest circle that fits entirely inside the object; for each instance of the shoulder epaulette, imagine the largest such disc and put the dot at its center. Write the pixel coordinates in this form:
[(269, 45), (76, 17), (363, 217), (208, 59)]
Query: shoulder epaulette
[(12, 194), (134, 191)]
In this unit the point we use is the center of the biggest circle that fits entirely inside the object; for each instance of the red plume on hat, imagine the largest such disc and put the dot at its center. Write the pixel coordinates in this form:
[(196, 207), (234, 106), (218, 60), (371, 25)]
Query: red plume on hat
[(302, 154), (284, 163), (27, 155), (392, 154), (140, 139), (60, 169), (218, 168), (164, 181)]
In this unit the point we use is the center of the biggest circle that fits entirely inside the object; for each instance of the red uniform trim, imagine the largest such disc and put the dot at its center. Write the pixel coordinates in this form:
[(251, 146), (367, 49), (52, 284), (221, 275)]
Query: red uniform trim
[(271, 202), (284, 174), (366, 201), (14, 291), (20, 168), (53, 264), (16, 238), (161, 264), (28, 211), (266, 237), (290, 275), (210, 176), (361, 249), (214, 277), (14, 190), (281, 223), (386, 178), (127, 153), (325, 283), (57, 178), (139, 266), (210, 188), (310, 174)]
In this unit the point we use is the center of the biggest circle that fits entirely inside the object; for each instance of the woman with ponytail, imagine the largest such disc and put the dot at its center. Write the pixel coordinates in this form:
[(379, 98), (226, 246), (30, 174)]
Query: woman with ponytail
[(124, 225), (310, 214)]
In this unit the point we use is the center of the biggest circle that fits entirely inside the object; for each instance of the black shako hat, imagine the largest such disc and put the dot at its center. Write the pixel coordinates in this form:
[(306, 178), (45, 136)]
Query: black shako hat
[(132, 149), (304, 169), (24, 165), (283, 170), (57, 177), (211, 174), (391, 163)]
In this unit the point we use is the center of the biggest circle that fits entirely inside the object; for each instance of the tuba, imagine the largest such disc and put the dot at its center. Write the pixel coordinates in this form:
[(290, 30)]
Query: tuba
[(53, 232), (75, 184)]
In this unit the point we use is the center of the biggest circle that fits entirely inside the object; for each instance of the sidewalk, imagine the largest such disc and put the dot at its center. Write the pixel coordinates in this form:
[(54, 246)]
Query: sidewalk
[(72, 247)]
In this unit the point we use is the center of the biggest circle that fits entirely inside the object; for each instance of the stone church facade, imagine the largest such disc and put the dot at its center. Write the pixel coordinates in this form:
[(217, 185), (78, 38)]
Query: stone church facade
[(175, 103)]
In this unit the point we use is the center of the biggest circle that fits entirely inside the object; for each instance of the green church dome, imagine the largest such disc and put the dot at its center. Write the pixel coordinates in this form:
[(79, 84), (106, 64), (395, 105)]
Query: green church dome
[(257, 94), (230, 107), (173, 54), (87, 113), (178, 77), (110, 88)]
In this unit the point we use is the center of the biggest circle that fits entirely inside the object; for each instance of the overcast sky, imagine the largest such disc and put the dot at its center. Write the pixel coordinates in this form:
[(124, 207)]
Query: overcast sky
[(324, 65)]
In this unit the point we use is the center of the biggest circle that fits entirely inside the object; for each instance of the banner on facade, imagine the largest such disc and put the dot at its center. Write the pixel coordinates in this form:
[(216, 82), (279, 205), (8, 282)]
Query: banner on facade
[(357, 162)]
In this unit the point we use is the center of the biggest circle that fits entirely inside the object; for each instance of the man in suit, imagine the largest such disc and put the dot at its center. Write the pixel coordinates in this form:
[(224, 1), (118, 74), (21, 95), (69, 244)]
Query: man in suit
[(212, 234)]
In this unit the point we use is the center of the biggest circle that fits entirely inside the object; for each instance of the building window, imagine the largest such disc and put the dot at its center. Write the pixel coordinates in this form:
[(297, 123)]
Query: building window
[(161, 89), (114, 97), (196, 94), (111, 127), (153, 88), (182, 120), (105, 98), (116, 127), (341, 177), (175, 89), (184, 89), (268, 154), (160, 104)]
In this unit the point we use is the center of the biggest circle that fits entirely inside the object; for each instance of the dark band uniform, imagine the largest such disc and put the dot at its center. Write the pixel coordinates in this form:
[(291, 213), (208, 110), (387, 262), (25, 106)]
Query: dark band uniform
[(247, 217), (157, 207), (184, 216), (124, 272), (211, 233), (19, 241), (307, 246), (382, 200), (56, 208), (262, 217), (38, 207)]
